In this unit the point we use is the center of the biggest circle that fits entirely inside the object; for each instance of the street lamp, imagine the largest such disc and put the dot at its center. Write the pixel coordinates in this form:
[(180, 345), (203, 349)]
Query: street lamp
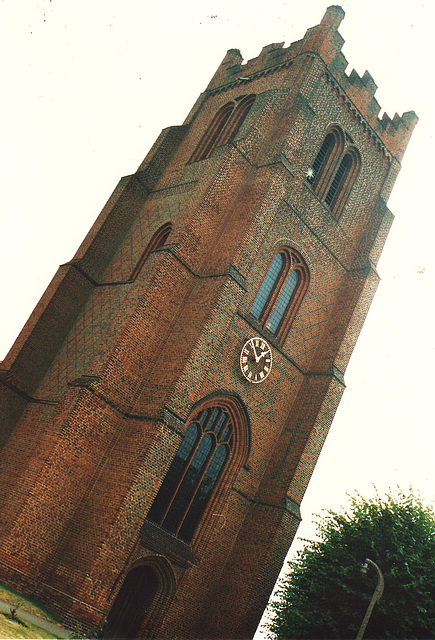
[(377, 594)]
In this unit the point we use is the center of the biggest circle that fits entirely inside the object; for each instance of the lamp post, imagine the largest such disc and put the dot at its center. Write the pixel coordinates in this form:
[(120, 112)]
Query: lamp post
[(377, 594)]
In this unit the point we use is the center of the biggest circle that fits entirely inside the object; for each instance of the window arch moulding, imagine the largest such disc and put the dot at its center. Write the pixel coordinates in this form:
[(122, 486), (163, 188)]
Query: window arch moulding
[(343, 181), (224, 126), (158, 240), (334, 170), (281, 293), (214, 447)]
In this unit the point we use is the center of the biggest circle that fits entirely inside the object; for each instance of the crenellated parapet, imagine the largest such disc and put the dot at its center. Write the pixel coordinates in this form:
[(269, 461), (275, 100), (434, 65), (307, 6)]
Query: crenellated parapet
[(357, 93)]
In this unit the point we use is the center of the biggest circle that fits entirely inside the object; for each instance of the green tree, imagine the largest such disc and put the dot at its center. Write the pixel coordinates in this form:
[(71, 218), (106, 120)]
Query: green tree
[(325, 595)]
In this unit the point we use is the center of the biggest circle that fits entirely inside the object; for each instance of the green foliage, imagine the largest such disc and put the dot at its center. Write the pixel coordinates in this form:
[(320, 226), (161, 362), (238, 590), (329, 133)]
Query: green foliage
[(325, 595)]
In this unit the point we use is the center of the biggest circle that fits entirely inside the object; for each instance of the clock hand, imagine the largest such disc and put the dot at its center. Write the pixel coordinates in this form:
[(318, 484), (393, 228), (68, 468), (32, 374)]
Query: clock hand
[(254, 350), (263, 353)]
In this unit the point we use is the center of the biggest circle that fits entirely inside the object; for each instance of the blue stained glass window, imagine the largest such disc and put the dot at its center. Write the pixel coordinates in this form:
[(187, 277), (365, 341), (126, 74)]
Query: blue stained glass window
[(220, 424), (277, 302), (226, 433), (267, 286), (282, 302), (210, 426), (203, 417)]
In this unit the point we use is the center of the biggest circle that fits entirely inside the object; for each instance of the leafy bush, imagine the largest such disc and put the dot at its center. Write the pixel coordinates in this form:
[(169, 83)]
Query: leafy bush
[(325, 595)]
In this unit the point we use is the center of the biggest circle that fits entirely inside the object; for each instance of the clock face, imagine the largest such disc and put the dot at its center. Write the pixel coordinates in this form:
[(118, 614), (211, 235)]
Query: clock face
[(256, 360)]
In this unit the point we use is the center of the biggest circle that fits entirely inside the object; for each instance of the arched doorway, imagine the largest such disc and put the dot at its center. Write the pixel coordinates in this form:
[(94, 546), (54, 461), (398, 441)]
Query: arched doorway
[(133, 603)]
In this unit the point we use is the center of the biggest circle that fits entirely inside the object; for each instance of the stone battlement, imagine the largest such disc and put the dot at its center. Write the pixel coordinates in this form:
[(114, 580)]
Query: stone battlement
[(358, 93)]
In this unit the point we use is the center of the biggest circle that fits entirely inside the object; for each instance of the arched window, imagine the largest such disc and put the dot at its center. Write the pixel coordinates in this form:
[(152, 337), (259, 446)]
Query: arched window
[(267, 286), (339, 178), (281, 293), (321, 158), (194, 473), (224, 126), (343, 181), (158, 240), (240, 111), (334, 170), (321, 170)]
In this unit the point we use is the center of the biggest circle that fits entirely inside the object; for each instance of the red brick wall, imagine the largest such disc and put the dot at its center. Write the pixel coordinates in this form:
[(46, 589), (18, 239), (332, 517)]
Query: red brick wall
[(104, 375)]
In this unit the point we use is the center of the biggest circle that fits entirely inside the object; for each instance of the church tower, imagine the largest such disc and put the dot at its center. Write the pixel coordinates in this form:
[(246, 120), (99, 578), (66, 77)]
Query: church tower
[(165, 404)]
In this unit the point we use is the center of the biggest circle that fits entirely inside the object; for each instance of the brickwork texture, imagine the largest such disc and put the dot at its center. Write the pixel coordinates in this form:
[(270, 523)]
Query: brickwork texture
[(136, 335)]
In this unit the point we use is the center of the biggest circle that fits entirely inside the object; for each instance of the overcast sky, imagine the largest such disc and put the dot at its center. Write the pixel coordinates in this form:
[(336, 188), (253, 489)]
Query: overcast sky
[(87, 87)]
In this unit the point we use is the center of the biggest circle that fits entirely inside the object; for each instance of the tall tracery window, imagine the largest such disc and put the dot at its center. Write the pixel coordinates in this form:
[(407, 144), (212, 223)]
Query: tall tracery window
[(194, 473), (281, 292), (334, 169), (224, 126), (158, 240)]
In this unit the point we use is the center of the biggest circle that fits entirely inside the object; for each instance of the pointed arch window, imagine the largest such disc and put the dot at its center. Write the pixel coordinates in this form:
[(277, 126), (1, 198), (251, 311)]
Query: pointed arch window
[(339, 178), (343, 181), (224, 126), (320, 161), (334, 170), (194, 473), (157, 241), (281, 293)]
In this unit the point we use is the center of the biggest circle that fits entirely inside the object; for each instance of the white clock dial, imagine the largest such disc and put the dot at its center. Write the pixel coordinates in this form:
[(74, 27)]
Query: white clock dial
[(255, 360)]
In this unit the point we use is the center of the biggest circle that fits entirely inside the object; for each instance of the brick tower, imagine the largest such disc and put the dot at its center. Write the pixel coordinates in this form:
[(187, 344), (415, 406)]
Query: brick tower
[(165, 405)]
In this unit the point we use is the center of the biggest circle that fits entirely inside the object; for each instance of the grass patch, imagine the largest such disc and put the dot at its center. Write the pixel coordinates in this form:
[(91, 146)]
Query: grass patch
[(18, 628), (26, 604), (12, 629)]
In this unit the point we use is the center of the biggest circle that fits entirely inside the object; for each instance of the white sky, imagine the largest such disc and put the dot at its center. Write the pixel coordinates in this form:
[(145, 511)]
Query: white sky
[(87, 87)]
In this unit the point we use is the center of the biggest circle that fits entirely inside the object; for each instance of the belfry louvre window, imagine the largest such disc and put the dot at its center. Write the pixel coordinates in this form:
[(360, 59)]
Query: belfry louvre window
[(320, 161), (194, 473), (334, 170), (281, 293), (343, 181), (224, 126), (339, 178)]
